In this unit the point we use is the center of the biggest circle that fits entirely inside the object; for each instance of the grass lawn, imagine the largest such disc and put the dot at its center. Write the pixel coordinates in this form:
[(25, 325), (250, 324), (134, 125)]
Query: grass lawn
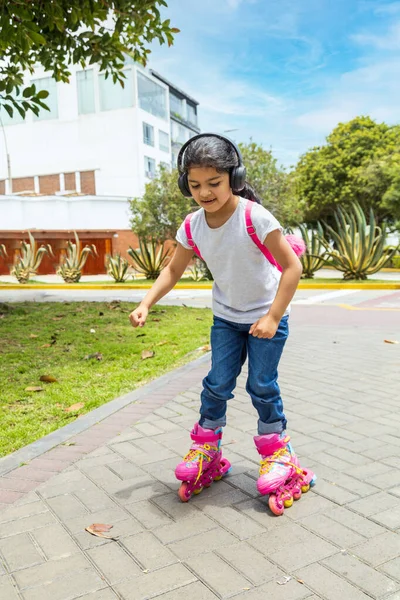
[(39, 339)]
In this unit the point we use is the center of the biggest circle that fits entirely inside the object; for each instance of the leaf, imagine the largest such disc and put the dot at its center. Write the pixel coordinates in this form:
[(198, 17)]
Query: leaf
[(162, 343), (48, 379), (98, 529), (148, 354), (34, 388), (391, 341), (46, 346), (74, 407), (96, 355), (206, 348), (56, 318), (32, 336)]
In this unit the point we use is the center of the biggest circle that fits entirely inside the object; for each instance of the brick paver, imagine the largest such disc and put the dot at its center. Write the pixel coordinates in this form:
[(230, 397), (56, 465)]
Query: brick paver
[(341, 541)]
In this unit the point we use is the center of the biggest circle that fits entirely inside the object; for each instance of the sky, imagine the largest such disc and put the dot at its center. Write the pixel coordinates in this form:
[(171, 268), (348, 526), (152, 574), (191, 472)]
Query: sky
[(284, 73)]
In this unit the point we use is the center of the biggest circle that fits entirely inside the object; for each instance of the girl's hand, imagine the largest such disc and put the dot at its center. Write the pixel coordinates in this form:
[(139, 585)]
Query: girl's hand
[(266, 327), (138, 316)]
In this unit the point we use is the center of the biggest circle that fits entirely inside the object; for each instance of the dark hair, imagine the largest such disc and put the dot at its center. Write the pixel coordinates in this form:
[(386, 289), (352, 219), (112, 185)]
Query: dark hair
[(219, 154)]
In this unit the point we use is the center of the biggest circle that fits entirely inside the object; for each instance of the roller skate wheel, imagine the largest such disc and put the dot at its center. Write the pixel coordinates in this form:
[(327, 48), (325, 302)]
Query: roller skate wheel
[(183, 492), (218, 478), (199, 490), (288, 503), (297, 495), (305, 488), (275, 506)]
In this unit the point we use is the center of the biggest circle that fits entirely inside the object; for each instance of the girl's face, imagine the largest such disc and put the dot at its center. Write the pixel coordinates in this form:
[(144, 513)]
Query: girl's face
[(209, 188)]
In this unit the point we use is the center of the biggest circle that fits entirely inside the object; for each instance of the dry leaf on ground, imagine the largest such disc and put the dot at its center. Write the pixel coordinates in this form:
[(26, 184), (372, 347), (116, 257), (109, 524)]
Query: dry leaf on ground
[(147, 354), (206, 348), (32, 336), (46, 346), (48, 378), (96, 355), (75, 407), (391, 341), (34, 388), (99, 529)]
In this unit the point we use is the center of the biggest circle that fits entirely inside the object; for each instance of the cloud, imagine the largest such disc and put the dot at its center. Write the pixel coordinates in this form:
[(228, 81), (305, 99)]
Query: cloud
[(390, 40), (389, 9)]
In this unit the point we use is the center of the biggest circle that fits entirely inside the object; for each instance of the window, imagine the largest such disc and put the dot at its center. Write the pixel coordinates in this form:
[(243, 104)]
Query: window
[(149, 167), (148, 134), (47, 83), (176, 105), (85, 87), (112, 95), (163, 140), (152, 97), (191, 114), (180, 134)]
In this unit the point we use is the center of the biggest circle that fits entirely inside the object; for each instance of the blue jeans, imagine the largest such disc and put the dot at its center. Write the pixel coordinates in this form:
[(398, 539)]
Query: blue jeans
[(231, 343)]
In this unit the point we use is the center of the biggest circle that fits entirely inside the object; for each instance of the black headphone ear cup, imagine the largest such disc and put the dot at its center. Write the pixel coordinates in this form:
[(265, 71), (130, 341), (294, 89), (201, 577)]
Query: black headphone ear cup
[(184, 186), (238, 178)]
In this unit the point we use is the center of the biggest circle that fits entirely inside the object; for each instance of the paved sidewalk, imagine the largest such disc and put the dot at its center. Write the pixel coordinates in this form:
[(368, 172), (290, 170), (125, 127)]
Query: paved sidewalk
[(340, 383)]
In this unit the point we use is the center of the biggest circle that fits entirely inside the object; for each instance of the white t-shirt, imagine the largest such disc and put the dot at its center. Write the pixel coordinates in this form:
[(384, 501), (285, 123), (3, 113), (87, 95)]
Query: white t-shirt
[(245, 282)]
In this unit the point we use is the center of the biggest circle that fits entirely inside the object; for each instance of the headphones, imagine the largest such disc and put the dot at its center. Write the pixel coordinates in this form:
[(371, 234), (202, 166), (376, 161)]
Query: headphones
[(237, 175)]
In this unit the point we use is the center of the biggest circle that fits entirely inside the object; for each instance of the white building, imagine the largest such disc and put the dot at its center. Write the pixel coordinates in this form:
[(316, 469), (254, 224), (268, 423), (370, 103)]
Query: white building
[(75, 167), (98, 137)]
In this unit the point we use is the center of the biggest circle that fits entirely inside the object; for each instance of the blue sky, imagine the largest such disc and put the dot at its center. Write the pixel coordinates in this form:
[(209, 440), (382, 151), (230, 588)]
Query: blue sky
[(285, 72)]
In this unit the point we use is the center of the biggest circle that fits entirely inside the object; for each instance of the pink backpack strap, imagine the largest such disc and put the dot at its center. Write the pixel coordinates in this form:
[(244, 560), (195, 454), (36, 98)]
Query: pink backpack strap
[(188, 231), (252, 233)]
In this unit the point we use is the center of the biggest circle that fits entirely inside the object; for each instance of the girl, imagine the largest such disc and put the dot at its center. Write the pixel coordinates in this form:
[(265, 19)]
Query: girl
[(251, 309)]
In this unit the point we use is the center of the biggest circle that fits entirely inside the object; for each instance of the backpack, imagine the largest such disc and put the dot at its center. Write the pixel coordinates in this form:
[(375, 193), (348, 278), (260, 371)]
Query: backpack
[(296, 243)]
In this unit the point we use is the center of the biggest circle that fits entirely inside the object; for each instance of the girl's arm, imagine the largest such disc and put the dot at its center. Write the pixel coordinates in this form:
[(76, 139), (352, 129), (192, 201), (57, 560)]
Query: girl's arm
[(291, 273), (168, 277)]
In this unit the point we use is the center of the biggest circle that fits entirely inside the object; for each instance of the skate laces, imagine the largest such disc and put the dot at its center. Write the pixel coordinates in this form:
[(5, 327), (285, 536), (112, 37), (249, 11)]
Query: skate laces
[(200, 454), (268, 462)]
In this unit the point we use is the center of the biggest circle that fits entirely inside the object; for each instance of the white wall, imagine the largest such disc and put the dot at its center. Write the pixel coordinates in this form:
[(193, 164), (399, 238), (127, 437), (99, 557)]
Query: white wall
[(109, 142), (63, 213)]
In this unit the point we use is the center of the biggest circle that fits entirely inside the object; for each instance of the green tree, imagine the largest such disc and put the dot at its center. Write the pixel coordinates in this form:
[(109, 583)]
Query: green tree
[(161, 210), (358, 163), (273, 185), (58, 34)]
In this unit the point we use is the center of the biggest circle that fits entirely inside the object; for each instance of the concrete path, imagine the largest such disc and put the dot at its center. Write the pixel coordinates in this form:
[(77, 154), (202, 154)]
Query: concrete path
[(341, 541), (361, 298)]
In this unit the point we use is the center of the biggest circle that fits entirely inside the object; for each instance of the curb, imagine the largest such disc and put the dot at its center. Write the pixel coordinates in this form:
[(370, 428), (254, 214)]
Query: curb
[(302, 286), (55, 438)]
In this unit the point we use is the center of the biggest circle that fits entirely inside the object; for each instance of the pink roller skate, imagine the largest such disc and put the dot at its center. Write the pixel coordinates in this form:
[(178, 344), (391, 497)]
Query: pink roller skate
[(203, 464), (281, 475)]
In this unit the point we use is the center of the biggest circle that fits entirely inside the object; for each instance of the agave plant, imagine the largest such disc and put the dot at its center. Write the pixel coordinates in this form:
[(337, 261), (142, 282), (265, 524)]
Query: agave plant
[(74, 261), (29, 259), (359, 248), (198, 270), (315, 255), (3, 251), (117, 267), (148, 259)]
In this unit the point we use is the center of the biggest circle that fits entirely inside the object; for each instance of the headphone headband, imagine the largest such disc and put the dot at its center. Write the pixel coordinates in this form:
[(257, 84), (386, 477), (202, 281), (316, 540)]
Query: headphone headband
[(237, 175), (201, 135)]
